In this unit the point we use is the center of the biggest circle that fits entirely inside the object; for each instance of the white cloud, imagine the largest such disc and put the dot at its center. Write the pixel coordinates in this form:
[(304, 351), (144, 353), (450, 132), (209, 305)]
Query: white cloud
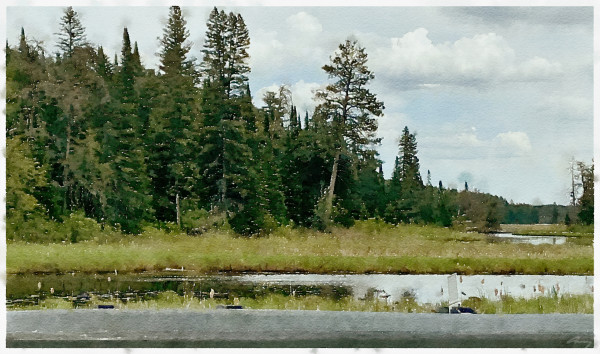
[(303, 94), (264, 48), (298, 45), (516, 141), (488, 57), (468, 145), (304, 24)]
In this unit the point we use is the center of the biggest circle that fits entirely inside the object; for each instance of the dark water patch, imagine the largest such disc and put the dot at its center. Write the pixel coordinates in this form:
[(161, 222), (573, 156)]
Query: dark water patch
[(28, 289)]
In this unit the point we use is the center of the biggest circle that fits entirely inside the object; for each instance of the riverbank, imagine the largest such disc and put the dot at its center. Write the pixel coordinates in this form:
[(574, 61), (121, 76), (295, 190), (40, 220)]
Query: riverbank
[(368, 247)]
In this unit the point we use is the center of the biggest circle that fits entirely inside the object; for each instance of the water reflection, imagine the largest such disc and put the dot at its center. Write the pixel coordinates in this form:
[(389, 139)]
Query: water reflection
[(434, 288), (424, 289)]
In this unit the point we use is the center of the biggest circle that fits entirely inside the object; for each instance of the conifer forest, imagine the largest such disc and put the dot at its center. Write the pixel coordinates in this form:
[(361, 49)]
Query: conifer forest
[(107, 141)]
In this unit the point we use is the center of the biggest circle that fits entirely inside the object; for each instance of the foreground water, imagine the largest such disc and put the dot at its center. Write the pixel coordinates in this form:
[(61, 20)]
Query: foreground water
[(424, 289)]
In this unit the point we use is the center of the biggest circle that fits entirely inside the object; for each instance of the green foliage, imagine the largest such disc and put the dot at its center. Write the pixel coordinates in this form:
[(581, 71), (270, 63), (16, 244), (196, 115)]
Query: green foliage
[(408, 201), (586, 201), (173, 123), (25, 178), (185, 149), (349, 108)]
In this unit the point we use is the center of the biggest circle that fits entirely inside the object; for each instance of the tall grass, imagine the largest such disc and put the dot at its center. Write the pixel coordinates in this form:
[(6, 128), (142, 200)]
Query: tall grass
[(171, 300), (541, 304), (367, 247)]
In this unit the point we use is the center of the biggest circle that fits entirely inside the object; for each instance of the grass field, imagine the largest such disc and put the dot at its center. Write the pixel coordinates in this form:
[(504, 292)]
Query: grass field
[(171, 300), (367, 247)]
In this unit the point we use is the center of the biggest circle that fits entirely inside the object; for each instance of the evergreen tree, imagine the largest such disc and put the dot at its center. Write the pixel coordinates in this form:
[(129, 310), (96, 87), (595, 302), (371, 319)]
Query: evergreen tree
[(586, 200), (230, 151), (350, 108), (128, 197), (408, 167), (127, 71), (138, 68), (173, 123), (406, 184), (104, 67), (443, 214), (238, 42), (72, 33), (175, 47)]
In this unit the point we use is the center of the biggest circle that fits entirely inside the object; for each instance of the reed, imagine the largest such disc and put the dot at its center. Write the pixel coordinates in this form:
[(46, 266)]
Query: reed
[(369, 246), (582, 304)]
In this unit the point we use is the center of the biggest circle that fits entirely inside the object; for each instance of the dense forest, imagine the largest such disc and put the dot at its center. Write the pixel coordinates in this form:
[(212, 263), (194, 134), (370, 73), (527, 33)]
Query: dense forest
[(93, 139)]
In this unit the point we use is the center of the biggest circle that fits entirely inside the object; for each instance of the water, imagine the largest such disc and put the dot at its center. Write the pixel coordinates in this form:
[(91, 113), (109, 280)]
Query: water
[(434, 288), (534, 240), (431, 289)]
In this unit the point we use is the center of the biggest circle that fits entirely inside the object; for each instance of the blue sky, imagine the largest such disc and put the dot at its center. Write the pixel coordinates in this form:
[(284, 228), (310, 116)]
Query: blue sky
[(502, 97)]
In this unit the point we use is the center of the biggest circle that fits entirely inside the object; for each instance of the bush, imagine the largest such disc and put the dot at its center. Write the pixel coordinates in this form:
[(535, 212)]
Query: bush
[(74, 228)]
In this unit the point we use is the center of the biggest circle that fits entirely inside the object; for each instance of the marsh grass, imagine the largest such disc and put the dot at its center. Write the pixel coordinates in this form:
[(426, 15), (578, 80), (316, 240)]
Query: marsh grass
[(171, 300), (541, 305), (368, 247)]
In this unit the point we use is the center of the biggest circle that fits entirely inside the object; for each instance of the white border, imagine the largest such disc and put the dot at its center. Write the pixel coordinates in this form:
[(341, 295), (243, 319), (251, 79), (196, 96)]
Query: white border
[(286, 3)]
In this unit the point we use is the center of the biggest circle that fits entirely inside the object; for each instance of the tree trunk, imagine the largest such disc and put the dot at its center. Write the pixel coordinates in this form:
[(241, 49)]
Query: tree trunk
[(330, 195), (223, 182), (178, 210), (66, 170)]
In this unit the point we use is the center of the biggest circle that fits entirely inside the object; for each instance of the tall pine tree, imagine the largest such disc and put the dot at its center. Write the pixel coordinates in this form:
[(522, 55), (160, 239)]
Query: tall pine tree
[(350, 107)]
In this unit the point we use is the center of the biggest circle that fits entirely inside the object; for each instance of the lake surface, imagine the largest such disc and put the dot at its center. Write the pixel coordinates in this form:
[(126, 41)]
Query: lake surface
[(534, 240), (423, 289)]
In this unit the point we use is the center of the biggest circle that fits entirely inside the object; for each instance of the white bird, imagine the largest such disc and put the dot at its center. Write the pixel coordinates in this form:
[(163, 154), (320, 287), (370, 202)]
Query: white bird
[(212, 293)]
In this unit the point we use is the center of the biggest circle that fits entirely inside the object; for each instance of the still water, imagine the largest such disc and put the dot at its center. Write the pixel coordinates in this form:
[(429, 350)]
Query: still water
[(423, 289), (534, 240)]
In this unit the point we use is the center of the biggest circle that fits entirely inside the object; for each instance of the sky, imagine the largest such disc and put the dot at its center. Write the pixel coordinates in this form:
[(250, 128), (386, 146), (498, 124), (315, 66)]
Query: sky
[(499, 97)]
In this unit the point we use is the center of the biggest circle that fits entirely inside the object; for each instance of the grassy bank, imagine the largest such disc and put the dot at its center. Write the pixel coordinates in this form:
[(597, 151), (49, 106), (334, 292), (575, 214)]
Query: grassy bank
[(171, 300), (550, 230), (367, 247)]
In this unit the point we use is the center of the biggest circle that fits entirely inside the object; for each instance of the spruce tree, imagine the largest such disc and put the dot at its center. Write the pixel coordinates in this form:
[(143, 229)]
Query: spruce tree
[(173, 123), (175, 46), (406, 184), (231, 150), (129, 195), (72, 33), (103, 66)]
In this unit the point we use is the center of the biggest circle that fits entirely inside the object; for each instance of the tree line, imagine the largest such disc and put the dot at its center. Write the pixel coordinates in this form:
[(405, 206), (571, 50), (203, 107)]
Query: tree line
[(129, 146)]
